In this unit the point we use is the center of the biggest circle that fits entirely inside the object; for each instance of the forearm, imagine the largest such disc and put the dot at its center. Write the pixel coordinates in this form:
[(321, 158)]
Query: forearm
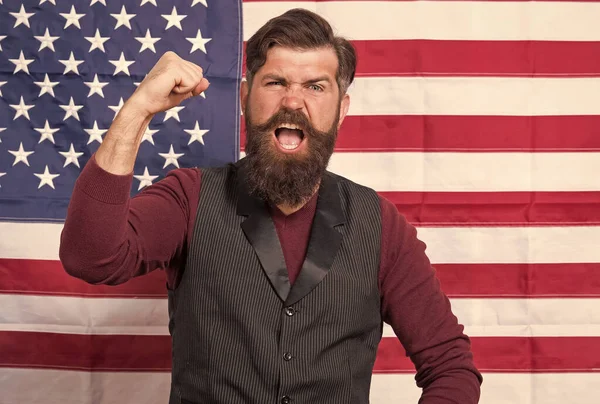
[(119, 149), (414, 304), (459, 386)]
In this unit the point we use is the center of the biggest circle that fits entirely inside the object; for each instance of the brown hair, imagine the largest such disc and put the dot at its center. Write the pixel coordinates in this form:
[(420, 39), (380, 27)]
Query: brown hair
[(300, 29)]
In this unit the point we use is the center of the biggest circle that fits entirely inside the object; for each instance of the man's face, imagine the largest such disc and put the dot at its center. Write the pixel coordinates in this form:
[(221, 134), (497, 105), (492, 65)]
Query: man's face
[(292, 113)]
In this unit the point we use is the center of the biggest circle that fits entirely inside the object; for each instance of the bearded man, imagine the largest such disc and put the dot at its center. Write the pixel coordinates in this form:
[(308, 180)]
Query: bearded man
[(280, 274)]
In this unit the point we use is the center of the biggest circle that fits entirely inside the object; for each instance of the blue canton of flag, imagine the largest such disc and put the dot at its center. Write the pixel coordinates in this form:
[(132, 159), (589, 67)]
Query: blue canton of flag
[(67, 67)]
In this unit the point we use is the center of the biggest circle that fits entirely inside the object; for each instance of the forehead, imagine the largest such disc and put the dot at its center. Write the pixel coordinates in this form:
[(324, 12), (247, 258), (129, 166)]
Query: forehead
[(300, 64)]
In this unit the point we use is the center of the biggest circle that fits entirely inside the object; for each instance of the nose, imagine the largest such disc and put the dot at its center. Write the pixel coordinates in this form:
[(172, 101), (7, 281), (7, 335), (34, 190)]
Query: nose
[(293, 98)]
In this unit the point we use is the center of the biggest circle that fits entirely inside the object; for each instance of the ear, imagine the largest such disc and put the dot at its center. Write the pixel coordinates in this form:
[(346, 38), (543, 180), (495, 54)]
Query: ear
[(244, 89), (345, 105)]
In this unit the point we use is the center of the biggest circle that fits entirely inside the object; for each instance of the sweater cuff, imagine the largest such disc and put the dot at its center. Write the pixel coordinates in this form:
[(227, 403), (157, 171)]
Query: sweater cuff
[(103, 186)]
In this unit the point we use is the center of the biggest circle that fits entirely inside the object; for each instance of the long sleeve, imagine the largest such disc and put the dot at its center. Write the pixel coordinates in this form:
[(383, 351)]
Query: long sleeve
[(420, 314), (110, 238)]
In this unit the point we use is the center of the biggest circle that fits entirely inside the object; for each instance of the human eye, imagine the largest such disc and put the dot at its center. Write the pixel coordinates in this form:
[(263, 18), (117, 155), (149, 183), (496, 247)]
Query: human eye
[(316, 87)]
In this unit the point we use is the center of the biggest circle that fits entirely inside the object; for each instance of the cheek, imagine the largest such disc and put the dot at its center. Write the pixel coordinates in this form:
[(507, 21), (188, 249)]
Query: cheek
[(262, 106), (323, 116)]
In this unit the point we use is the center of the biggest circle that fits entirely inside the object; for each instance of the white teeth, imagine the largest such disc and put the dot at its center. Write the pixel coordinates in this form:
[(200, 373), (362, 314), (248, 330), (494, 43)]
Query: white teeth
[(289, 126), (289, 146)]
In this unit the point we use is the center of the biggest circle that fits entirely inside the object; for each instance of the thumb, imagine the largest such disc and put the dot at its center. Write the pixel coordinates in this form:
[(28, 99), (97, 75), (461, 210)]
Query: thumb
[(202, 86)]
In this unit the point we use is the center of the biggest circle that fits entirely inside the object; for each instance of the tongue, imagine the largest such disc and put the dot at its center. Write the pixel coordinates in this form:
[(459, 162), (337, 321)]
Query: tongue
[(289, 137)]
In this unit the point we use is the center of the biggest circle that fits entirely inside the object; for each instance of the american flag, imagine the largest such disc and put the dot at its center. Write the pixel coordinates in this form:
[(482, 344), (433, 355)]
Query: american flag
[(480, 120)]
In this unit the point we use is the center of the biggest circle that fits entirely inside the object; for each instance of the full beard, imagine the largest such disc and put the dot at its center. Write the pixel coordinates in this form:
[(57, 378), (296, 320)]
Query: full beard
[(286, 178)]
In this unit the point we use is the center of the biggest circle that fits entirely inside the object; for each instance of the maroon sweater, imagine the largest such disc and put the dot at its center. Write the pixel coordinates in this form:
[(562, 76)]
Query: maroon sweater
[(108, 238)]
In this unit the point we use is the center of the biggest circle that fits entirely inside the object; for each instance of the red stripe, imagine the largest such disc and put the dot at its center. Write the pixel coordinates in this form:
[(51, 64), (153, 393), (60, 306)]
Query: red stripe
[(47, 277), (431, 133), (409, 1), (510, 354), (520, 280), (458, 280), (475, 58), (497, 208), (153, 353)]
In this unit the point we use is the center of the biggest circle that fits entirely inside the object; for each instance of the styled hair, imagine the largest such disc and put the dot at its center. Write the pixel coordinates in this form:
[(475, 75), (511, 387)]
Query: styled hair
[(302, 30)]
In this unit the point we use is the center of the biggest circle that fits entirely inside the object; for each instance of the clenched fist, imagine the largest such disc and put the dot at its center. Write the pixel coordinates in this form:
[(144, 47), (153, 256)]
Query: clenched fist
[(171, 80)]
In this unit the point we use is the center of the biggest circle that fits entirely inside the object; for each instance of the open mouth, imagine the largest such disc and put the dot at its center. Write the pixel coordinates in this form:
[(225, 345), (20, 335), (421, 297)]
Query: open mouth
[(289, 136)]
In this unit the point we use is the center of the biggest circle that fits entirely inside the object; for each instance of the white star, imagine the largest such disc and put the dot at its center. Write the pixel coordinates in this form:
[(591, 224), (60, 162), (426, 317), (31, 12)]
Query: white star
[(122, 65), (147, 41), (51, 1), (173, 113), (22, 109), (1, 84), (95, 86), (47, 132), (148, 1), (123, 18), (71, 156), (46, 41), (20, 155), (1, 174), (145, 179), (148, 135), (171, 157), (22, 17), (71, 64), (72, 18), (194, 2), (46, 178), (199, 42), (117, 108), (1, 129), (98, 1), (196, 134), (71, 110), (2, 37), (174, 19), (95, 133), (46, 86), (97, 41), (21, 63)]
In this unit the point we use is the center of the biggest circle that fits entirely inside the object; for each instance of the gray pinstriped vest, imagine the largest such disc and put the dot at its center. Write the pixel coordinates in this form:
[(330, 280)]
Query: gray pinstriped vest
[(242, 334)]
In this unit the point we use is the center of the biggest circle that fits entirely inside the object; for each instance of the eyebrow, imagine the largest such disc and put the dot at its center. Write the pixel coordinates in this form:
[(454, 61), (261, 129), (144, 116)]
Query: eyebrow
[(276, 77)]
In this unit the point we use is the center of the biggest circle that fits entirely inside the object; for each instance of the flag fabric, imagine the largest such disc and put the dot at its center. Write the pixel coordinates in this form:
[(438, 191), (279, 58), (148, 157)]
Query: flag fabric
[(480, 120)]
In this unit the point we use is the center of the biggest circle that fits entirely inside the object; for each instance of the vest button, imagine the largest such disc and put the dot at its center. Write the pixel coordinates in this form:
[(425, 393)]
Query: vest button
[(286, 400), (290, 311), (287, 356)]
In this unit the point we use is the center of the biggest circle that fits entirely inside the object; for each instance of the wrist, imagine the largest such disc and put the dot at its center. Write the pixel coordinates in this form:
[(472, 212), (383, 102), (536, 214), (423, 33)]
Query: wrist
[(135, 108)]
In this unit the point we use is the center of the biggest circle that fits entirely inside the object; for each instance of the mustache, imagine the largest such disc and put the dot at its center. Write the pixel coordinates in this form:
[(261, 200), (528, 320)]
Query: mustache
[(286, 115)]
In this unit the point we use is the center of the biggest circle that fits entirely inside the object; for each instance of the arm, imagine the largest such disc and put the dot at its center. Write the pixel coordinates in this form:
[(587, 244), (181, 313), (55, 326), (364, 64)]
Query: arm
[(420, 314), (108, 238)]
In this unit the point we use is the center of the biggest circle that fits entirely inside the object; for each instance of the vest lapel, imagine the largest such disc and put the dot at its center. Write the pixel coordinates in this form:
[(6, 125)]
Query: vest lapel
[(324, 241), (262, 235)]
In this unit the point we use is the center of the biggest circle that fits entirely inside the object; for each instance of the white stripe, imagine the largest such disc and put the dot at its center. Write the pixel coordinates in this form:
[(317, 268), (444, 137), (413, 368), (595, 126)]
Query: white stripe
[(481, 317), (501, 388), (452, 20), (34, 386), (469, 172), (545, 317), (468, 245), (512, 245), (475, 96)]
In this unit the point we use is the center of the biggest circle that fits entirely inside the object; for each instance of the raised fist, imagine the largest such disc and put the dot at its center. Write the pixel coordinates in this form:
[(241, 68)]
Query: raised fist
[(171, 80)]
